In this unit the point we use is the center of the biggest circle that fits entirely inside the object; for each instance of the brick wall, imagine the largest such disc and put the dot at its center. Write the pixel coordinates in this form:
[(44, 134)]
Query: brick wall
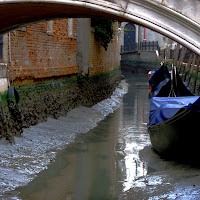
[(40, 53), (47, 50), (100, 60)]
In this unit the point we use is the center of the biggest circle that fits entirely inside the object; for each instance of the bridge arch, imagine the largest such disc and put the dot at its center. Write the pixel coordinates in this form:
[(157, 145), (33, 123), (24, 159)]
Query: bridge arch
[(167, 19)]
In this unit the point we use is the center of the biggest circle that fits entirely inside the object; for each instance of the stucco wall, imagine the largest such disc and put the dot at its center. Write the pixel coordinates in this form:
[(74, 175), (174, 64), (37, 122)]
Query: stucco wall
[(163, 41), (144, 61)]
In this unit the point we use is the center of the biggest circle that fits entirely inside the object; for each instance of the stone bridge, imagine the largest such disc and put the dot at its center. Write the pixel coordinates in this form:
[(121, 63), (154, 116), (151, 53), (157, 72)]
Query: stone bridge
[(178, 20)]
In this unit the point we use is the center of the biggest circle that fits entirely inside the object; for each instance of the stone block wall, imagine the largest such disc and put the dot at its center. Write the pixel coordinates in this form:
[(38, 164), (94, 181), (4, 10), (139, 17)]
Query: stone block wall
[(143, 61)]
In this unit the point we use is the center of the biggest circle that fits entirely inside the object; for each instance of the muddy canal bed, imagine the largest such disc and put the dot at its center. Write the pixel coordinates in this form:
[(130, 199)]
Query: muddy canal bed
[(105, 155)]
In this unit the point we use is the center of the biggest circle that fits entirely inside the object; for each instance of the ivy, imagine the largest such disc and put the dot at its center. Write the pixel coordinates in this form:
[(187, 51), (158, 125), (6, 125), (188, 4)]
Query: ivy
[(104, 30)]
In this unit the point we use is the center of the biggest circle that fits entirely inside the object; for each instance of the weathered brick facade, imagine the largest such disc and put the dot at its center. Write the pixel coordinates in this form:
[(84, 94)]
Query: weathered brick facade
[(100, 60), (41, 51), (37, 53), (46, 62)]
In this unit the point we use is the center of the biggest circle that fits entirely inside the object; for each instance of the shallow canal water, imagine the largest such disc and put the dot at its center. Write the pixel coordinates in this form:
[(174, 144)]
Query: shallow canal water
[(115, 160), (105, 162)]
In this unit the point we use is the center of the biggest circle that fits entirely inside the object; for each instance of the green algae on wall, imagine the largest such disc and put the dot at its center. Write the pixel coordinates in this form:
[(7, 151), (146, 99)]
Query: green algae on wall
[(55, 97)]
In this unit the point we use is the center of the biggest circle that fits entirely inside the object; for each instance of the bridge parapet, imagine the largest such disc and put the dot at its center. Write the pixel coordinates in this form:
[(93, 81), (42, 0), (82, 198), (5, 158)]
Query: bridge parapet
[(178, 20), (188, 8)]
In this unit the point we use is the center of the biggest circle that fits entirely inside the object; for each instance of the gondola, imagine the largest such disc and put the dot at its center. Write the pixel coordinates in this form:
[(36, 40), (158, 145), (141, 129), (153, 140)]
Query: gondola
[(174, 118)]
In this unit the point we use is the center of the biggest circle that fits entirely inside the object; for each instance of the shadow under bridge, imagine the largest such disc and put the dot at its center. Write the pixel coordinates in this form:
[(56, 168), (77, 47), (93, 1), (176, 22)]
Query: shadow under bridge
[(179, 21)]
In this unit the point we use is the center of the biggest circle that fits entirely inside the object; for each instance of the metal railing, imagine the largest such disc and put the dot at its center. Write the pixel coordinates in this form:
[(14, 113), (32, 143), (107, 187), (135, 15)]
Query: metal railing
[(149, 45), (129, 48), (143, 46)]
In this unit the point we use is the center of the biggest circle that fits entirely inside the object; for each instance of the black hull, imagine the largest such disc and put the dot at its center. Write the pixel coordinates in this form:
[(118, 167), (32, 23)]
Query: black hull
[(177, 136)]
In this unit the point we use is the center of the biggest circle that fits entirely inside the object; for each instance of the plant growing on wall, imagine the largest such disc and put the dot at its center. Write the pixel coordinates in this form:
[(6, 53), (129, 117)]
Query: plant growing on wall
[(104, 30)]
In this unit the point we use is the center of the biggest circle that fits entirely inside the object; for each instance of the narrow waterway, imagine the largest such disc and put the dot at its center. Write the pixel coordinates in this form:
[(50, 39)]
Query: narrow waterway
[(103, 163), (114, 160)]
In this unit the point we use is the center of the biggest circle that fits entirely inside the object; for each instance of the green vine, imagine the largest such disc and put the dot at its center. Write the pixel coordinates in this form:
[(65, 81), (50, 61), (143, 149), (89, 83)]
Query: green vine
[(104, 30)]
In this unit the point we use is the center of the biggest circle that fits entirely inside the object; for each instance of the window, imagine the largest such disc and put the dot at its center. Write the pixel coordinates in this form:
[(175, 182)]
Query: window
[(50, 27), (1, 48), (70, 27)]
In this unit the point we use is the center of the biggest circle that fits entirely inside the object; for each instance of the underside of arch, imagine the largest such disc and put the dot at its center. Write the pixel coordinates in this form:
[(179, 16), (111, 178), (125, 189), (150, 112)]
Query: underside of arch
[(158, 17)]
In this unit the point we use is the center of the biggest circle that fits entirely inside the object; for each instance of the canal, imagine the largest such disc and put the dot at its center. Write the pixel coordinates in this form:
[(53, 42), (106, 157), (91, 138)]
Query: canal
[(114, 160)]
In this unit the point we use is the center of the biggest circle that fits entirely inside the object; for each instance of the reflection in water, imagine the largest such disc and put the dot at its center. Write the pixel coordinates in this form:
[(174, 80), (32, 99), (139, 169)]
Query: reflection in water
[(132, 129), (104, 162)]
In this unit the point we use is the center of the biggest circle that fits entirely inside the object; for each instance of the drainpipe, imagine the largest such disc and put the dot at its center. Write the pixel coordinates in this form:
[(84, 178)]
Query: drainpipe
[(139, 38), (144, 34), (10, 59)]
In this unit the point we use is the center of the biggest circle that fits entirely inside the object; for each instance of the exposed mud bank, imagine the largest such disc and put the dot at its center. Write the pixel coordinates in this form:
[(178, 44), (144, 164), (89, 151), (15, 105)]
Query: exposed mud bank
[(54, 98), (22, 161)]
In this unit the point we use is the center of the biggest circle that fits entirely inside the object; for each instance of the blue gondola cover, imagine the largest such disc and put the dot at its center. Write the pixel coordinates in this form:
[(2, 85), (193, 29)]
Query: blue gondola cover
[(163, 108)]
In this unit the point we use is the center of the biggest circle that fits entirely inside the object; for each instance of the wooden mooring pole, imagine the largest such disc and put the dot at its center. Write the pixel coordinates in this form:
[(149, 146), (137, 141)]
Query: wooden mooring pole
[(188, 70)]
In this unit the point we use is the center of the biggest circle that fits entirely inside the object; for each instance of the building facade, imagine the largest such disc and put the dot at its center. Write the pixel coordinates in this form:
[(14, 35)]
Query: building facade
[(55, 66), (142, 49), (56, 48), (132, 33)]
